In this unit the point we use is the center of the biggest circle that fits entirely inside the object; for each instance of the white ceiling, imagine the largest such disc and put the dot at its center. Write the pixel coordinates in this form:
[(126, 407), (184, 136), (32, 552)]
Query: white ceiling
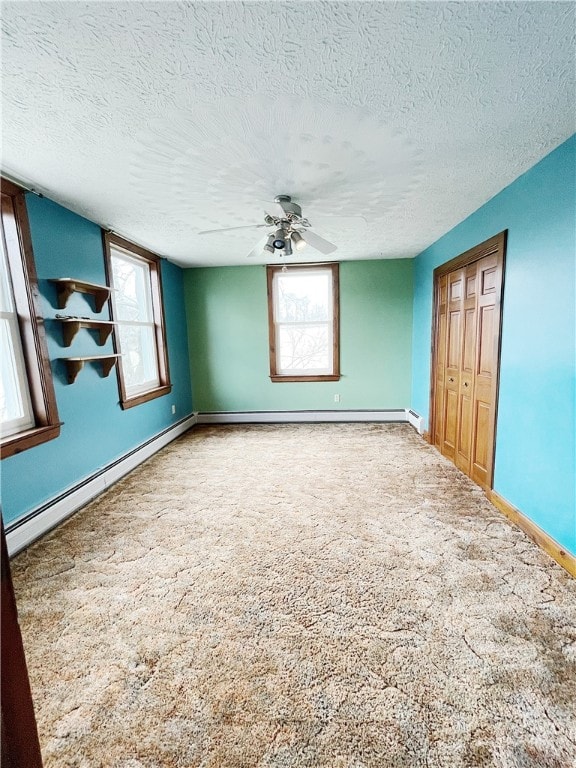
[(160, 120)]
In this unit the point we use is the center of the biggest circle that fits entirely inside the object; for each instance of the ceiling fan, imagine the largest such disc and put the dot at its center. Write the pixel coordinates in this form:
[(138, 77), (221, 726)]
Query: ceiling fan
[(291, 231)]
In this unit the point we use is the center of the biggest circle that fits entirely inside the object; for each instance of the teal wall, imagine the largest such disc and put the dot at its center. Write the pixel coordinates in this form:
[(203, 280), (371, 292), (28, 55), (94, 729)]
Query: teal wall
[(96, 431), (535, 443), (228, 338)]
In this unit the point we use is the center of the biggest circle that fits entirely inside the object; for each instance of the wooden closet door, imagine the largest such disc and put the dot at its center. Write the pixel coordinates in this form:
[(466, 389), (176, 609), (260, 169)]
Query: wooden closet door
[(489, 281), (465, 353), (441, 298), (466, 377), (452, 365)]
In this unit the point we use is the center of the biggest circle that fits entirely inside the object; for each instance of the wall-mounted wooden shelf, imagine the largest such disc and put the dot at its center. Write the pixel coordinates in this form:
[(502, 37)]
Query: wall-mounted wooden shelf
[(71, 326), (66, 286), (75, 364)]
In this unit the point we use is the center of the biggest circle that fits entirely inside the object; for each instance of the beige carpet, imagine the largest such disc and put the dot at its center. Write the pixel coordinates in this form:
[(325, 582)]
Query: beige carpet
[(331, 596)]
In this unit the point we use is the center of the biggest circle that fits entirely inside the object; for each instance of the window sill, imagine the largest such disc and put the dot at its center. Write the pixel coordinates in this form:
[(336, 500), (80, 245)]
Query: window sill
[(144, 397), (328, 377), (31, 437)]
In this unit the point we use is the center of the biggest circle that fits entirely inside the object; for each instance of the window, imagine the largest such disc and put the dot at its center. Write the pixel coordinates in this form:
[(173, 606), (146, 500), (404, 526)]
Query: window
[(28, 412), (303, 317), (15, 404), (134, 275)]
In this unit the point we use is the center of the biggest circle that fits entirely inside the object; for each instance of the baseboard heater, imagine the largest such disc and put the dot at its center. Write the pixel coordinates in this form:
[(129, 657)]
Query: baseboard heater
[(416, 420), (292, 417), (42, 519)]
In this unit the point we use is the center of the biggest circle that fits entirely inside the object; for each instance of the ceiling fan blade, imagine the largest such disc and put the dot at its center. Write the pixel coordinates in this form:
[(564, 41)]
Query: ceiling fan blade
[(231, 229), (317, 242), (258, 248)]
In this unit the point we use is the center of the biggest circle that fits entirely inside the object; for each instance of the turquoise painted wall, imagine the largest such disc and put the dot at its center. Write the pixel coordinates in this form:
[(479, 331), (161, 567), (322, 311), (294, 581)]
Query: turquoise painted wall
[(228, 338), (96, 431), (535, 444)]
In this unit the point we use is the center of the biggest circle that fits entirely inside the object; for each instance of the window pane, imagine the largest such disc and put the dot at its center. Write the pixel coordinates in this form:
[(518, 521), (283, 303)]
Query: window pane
[(15, 409), (139, 362), (303, 297), (5, 289), (305, 348), (131, 289)]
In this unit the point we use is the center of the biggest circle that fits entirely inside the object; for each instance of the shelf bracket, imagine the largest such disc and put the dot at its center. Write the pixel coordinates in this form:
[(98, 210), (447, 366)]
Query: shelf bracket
[(75, 364), (71, 327), (66, 286)]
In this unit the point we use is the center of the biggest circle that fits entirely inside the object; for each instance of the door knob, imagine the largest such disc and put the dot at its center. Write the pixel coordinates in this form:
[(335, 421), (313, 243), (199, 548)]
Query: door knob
[(465, 383), (450, 378)]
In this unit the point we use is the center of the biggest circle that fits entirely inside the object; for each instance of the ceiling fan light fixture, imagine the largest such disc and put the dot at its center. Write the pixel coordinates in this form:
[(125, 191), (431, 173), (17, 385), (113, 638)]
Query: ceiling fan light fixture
[(288, 247), (298, 241), (279, 240), (269, 244)]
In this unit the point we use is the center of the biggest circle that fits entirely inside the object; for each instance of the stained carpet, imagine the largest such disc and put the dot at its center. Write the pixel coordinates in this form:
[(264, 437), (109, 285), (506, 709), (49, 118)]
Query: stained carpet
[(328, 596)]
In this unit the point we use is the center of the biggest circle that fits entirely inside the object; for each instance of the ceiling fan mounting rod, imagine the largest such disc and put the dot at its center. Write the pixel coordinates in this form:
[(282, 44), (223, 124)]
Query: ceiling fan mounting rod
[(291, 210)]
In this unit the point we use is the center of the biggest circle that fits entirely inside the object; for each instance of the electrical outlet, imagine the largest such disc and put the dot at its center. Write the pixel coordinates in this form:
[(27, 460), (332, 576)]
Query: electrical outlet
[(336, 398), (173, 409)]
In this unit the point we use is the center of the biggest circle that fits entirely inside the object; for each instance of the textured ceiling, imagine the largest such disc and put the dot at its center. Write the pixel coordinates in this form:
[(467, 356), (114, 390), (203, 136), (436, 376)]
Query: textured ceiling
[(160, 120)]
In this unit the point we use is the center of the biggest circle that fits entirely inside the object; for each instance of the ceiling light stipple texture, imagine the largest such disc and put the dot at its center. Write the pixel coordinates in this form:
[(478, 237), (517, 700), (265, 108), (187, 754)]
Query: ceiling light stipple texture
[(388, 122), (326, 158)]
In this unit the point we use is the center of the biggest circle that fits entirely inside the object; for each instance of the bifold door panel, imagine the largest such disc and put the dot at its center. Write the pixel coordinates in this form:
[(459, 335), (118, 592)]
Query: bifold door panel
[(467, 299)]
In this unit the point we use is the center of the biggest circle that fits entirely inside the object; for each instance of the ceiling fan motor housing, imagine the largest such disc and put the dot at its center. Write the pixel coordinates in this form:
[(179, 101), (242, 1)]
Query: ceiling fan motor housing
[(292, 210)]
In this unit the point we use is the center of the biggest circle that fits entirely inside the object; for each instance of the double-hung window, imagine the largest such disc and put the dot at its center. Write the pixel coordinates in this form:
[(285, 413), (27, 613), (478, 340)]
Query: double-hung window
[(303, 313), (137, 311), (28, 411), (15, 403)]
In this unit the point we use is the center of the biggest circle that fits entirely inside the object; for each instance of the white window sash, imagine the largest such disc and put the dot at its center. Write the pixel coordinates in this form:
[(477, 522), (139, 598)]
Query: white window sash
[(27, 420), (116, 253), (306, 371), (307, 273), (146, 384)]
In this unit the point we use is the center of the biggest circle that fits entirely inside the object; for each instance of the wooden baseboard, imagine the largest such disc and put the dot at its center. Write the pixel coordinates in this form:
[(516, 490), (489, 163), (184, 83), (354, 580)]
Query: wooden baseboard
[(538, 536), (426, 435)]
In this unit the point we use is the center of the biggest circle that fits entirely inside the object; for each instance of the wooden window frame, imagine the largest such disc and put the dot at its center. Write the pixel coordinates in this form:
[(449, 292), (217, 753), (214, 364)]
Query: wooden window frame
[(276, 377), (31, 324), (153, 261)]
